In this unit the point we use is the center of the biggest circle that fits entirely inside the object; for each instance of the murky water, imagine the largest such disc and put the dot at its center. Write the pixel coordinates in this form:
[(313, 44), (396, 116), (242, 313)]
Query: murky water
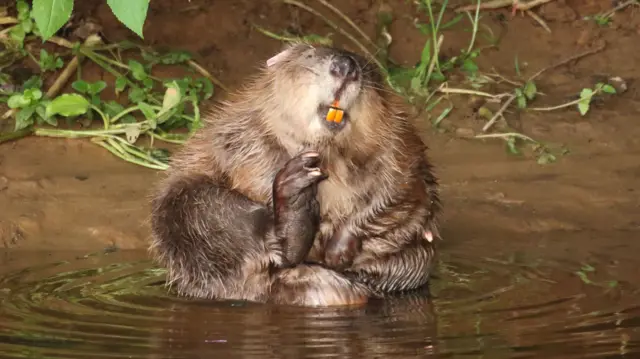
[(511, 305)]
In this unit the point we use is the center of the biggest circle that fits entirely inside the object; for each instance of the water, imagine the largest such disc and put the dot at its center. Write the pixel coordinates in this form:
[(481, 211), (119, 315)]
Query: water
[(510, 305)]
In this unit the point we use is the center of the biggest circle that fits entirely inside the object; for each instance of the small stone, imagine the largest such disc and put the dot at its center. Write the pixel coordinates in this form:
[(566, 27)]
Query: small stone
[(463, 132)]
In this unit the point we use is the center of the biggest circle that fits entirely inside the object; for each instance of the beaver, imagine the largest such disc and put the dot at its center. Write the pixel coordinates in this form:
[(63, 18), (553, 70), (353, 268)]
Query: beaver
[(271, 201)]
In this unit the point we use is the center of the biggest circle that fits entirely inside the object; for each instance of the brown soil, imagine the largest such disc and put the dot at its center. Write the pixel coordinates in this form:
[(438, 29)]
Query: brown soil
[(70, 194)]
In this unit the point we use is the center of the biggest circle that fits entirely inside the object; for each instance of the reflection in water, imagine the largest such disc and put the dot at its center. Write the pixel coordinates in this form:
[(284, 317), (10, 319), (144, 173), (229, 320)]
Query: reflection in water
[(116, 306)]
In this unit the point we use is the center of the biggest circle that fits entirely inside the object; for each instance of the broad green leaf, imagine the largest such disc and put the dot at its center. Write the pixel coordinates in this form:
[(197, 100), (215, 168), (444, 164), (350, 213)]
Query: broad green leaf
[(608, 89), (583, 107), (17, 101), (586, 93), (24, 117), (68, 105), (80, 86), (132, 13), (50, 15)]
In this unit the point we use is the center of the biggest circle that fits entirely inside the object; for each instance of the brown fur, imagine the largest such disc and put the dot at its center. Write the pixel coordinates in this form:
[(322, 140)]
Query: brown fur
[(213, 220)]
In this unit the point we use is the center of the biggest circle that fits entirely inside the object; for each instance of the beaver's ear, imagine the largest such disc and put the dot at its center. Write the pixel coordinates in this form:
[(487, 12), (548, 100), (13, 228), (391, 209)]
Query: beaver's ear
[(279, 56)]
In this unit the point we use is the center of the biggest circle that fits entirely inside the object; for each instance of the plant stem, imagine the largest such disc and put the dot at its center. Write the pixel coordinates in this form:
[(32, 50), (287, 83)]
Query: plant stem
[(9, 136), (475, 28), (558, 107)]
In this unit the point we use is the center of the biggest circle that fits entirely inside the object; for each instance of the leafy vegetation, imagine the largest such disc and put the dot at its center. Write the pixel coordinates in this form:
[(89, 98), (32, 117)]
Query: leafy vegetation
[(148, 106), (161, 105)]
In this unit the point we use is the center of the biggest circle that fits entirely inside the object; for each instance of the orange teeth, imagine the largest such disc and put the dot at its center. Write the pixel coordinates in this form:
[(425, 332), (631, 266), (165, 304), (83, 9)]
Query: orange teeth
[(335, 113)]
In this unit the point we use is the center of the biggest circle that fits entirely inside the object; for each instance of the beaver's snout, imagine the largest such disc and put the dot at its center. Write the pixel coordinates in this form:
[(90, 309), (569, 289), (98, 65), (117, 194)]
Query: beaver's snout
[(344, 66)]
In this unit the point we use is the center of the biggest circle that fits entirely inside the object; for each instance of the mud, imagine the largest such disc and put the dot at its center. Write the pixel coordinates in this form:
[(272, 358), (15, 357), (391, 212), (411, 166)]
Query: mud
[(505, 215)]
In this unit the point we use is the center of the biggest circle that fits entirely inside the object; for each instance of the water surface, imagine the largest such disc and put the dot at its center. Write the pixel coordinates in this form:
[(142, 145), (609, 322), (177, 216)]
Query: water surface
[(509, 305)]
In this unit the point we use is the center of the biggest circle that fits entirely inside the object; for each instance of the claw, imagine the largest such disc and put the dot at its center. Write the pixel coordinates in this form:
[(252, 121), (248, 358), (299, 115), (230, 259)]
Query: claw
[(428, 236)]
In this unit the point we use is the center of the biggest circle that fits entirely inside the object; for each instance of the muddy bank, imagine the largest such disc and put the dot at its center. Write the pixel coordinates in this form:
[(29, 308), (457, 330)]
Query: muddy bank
[(71, 194)]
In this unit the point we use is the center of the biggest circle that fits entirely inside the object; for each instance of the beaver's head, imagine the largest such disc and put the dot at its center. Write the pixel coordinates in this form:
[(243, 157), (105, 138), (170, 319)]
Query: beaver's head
[(324, 91)]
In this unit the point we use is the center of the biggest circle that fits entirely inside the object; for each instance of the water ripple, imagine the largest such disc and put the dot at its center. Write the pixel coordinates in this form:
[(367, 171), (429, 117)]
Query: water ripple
[(116, 306)]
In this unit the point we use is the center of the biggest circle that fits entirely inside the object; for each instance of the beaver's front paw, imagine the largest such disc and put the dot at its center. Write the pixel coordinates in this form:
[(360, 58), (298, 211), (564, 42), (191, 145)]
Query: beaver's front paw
[(341, 249), (298, 174), (296, 209)]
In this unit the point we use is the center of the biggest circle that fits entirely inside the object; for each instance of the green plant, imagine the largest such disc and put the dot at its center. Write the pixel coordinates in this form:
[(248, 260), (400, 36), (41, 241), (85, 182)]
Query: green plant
[(51, 15)]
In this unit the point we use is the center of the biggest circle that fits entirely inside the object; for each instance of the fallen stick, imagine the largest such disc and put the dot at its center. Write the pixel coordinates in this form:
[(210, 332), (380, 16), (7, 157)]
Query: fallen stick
[(569, 59), (497, 4)]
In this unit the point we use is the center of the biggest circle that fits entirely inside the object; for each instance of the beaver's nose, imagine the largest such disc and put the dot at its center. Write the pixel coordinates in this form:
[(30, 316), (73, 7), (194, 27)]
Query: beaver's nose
[(344, 66)]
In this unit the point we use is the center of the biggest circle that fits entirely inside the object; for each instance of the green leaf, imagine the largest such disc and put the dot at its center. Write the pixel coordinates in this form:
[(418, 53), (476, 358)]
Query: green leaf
[(50, 15), (112, 108), (512, 147), (24, 117), (147, 110), (33, 82), (17, 101), (586, 93), (136, 95), (583, 107), (530, 90), (608, 89), (97, 87), (147, 83), (33, 94), (23, 9), (137, 70), (121, 84), (132, 13), (80, 86), (41, 110), (68, 105), (469, 66)]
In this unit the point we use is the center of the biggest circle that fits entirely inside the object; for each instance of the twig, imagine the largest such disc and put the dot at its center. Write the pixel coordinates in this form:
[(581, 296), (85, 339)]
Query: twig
[(337, 28), (558, 107), (383, 38), (506, 136), (348, 21), (620, 7), (8, 20), (434, 59), (495, 117), (567, 60), (447, 90), (202, 71), (497, 4), (538, 19)]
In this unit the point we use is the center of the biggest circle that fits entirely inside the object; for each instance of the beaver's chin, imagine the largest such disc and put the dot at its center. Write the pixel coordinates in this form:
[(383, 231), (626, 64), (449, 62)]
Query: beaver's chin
[(334, 118)]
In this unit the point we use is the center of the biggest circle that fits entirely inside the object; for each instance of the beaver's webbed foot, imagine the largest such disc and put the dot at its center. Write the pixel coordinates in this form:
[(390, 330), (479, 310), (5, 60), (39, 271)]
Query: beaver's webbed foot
[(296, 209)]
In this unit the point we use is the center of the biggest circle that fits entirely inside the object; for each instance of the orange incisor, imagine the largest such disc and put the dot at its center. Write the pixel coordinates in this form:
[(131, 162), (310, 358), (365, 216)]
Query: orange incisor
[(335, 113)]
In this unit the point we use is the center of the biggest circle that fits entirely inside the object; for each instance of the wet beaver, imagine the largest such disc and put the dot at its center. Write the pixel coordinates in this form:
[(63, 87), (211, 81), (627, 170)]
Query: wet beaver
[(272, 202)]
